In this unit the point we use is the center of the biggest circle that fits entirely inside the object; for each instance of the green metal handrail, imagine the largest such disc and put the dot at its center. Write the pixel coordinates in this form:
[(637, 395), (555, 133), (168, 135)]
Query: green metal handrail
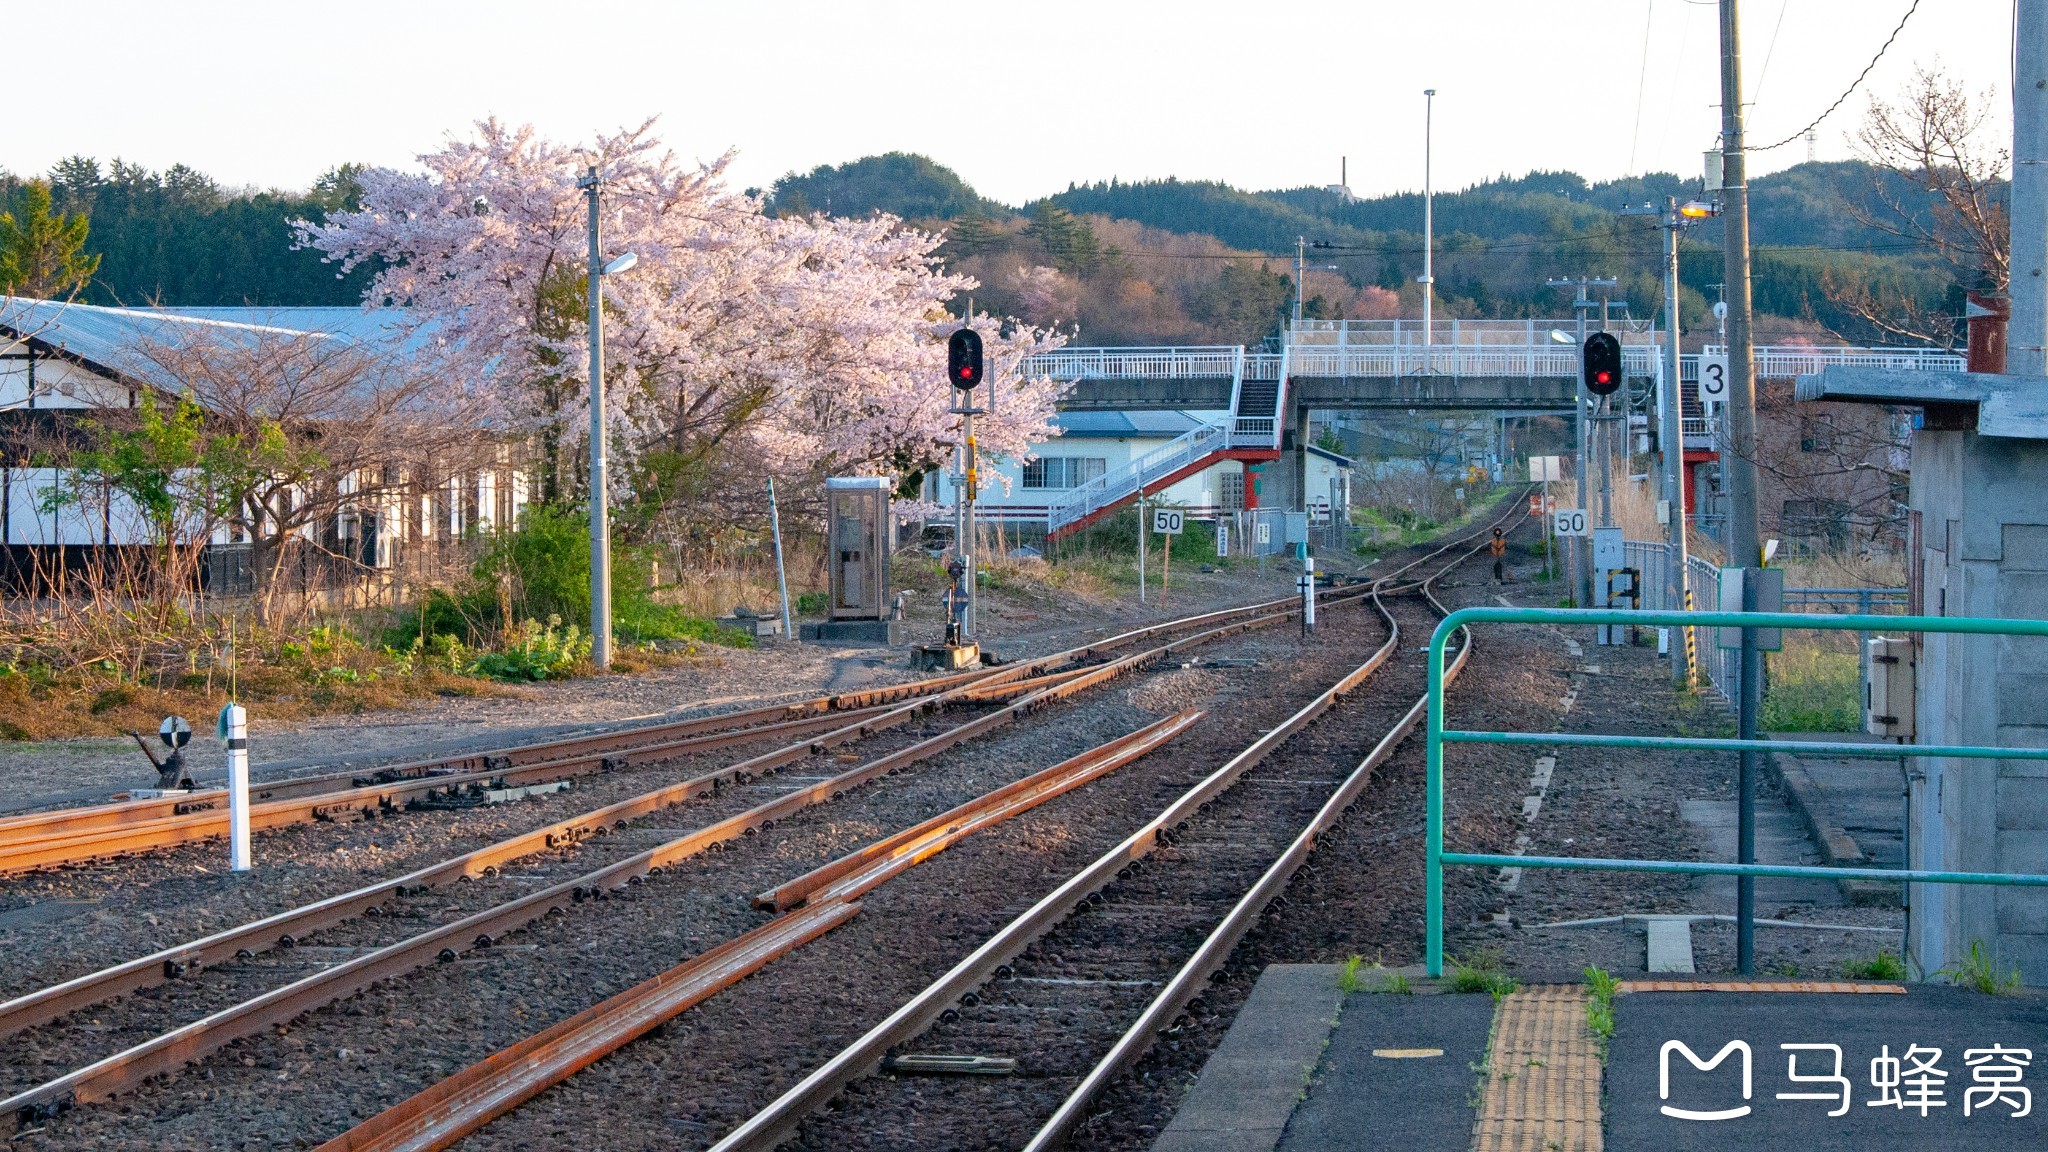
[(1437, 858)]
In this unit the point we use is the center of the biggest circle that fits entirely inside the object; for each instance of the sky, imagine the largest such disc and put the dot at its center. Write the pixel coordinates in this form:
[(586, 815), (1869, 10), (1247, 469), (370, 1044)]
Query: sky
[(1020, 99)]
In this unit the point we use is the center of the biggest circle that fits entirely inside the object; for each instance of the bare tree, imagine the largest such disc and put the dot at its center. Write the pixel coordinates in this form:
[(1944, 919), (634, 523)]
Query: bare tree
[(1939, 183), (306, 431)]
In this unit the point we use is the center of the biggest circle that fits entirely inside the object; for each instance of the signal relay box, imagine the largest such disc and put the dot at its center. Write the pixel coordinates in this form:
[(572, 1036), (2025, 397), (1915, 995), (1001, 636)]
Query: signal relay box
[(1888, 694)]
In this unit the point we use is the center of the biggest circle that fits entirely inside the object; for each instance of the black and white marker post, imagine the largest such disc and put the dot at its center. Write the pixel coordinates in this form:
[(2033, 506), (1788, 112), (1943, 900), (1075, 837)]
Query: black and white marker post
[(1306, 582), (234, 732)]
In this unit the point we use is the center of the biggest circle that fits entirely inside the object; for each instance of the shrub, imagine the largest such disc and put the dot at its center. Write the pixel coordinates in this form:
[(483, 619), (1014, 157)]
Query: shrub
[(535, 652)]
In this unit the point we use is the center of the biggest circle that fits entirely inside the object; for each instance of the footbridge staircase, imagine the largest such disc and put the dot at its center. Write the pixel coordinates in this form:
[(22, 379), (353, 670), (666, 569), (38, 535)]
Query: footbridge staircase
[(1249, 432)]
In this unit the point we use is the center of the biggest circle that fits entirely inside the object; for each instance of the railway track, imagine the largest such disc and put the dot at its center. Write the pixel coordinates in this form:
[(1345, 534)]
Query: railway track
[(41, 840), (256, 960), (551, 881), (460, 1105), (1099, 951)]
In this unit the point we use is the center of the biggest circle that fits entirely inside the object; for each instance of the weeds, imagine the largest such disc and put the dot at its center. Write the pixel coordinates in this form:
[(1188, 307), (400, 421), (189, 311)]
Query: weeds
[(1347, 979), (1979, 971), (1813, 686), (1886, 965), (1600, 1007), (1480, 971)]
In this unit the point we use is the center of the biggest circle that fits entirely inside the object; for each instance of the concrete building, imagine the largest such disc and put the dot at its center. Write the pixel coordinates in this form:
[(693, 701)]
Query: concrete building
[(1978, 535)]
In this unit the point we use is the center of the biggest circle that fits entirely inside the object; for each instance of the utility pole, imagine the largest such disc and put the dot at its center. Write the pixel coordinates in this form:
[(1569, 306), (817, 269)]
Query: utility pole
[(600, 524), (1604, 432), (1738, 461), (1428, 280), (2028, 333), (1738, 457), (1300, 257)]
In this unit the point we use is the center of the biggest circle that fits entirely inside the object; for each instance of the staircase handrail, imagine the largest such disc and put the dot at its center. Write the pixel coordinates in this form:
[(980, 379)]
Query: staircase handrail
[(1127, 480)]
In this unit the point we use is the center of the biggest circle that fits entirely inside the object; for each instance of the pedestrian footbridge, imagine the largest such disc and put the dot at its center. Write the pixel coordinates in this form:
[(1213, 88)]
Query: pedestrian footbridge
[(1506, 366)]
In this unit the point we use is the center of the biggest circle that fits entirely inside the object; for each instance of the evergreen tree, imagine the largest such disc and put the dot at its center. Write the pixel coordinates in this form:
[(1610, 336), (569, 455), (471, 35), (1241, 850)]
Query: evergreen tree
[(42, 253)]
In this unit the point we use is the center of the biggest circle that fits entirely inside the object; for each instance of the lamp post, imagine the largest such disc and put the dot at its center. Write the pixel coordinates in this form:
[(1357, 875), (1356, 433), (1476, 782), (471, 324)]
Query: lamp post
[(1671, 426), (1428, 279), (600, 524)]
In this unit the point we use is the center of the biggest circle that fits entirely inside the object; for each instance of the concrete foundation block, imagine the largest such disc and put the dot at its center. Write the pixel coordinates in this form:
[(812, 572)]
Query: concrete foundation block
[(854, 633)]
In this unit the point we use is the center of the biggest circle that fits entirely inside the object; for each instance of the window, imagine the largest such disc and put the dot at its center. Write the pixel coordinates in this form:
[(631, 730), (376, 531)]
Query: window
[(1063, 471), (1233, 491), (1818, 435)]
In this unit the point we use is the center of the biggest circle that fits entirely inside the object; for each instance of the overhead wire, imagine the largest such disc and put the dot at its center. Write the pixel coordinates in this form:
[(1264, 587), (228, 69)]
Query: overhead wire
[(1853, 85), (1642, 75)]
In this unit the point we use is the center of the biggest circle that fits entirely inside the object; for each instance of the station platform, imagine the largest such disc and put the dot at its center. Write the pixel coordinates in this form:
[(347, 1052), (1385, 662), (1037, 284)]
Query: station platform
[(1813, 1065)]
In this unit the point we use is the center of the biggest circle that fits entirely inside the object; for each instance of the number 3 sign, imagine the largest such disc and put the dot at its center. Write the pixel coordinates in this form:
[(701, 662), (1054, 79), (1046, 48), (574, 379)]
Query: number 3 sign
[(1713, 379)]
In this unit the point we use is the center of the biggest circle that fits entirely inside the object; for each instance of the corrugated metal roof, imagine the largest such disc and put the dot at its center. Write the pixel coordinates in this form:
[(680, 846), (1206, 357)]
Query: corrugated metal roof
[(1109, 425), (111, 337)]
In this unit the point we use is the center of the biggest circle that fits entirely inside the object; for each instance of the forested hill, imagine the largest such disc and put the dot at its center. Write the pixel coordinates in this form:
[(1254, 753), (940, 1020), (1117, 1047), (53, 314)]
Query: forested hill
[(1812, 205), (177, 237), (1153, 261)]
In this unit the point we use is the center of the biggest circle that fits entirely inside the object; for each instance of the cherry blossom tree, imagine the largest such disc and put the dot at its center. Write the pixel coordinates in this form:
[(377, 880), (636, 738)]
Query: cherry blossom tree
[(740, 341)]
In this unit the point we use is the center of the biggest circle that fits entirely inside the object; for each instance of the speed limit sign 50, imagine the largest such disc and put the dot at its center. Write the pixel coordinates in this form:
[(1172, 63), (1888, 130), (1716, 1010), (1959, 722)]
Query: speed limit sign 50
[(1568, 522), (1168, 521)]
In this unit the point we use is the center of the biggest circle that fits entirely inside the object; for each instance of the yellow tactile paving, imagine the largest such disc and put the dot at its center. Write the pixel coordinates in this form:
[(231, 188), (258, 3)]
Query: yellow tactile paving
[(1542, 1091), (1824, 986)]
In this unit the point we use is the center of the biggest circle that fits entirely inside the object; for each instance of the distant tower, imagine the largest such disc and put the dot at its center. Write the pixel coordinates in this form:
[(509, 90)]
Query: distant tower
[(1812, 145), (1342, 188)]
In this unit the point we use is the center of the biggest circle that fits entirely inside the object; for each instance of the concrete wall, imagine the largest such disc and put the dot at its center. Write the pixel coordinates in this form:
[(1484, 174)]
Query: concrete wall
[(1983, 506)]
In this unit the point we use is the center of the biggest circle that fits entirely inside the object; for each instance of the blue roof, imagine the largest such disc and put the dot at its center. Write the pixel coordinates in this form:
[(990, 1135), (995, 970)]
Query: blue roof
[(1128, 425), (111, 338)]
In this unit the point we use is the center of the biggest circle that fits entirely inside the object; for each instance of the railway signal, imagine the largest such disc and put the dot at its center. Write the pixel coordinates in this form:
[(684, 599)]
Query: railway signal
[(1601, 358), (963, 358)]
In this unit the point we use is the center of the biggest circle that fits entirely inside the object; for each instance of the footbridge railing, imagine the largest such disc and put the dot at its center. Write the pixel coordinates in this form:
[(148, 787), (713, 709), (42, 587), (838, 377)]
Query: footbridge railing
[(1548, 360), (1437, 858)]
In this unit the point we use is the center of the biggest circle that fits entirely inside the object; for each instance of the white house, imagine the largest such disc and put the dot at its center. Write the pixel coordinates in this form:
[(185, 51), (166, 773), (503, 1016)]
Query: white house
[(1093, 443)]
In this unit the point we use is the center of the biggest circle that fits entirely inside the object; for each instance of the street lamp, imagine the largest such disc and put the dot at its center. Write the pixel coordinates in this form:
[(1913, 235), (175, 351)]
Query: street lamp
[(600, 524), (1428, 280)]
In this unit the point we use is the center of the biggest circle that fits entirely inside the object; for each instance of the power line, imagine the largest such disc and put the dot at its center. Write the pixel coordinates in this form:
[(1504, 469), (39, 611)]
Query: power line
[(1757, 93), (1860, 77), (1636, 135)]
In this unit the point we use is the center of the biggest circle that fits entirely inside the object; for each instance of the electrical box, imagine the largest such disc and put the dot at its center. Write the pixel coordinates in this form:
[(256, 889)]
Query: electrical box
[(858, 513), (1888, 694)]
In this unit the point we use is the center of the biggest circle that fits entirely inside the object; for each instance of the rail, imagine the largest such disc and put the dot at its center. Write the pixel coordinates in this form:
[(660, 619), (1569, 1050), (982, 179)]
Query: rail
[(280, 1005), (1167, 363), (441, 1115), (1437, 858), (766, 1128)]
